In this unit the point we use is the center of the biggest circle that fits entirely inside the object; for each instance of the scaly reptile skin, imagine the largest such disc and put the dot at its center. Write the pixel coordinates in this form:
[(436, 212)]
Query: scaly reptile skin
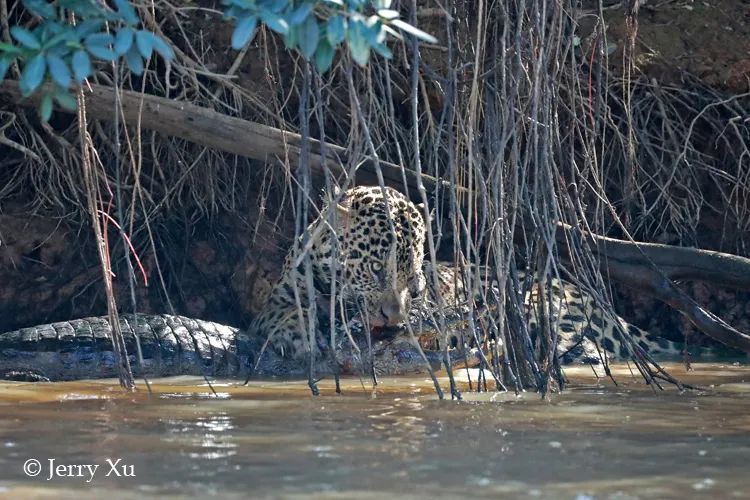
[(176, 345)]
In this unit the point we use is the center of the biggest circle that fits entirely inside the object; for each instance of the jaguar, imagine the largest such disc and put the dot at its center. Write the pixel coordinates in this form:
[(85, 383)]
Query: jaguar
[(371, 240)]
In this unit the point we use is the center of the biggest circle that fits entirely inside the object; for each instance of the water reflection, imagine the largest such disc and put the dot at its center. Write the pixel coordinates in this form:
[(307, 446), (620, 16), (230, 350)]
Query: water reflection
[(207, 437), (273, 439), (400, 428)]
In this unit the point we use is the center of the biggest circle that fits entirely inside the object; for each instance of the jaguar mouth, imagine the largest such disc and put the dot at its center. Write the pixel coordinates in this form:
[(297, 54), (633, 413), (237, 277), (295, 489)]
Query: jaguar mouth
[(382, 320), (378, 320)]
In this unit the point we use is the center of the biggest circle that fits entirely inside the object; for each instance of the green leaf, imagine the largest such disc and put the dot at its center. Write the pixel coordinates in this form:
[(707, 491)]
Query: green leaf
[(65, 100), (98, 44), (6, 48), (276, 6), (359, 47), (108, 15), (360, 50), (373, 31), (382, 50), (25, 38), (89, 26), (324, 56), (83, 8), (275, 22), (40, 8), (162, 47), (102, 53), (335, 30), (292, 37), (126, 11), (135, 63), (81, 66), (33, 74), (54, 28), (244, 31), (144, 42), (68, 35), (100, 39), (300, 14), (123, 41), (45, 108), (408, 28), (309, 36), (59, 70)]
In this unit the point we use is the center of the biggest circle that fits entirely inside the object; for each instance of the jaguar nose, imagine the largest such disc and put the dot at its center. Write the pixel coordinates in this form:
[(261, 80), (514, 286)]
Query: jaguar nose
[(393, 313)]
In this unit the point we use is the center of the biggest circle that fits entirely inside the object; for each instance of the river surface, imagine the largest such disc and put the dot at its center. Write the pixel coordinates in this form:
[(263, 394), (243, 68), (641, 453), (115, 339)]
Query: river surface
[(272, 439)]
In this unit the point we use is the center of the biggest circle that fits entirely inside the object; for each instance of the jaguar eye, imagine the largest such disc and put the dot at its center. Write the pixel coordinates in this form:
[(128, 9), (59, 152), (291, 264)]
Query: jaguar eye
[(376, 267)]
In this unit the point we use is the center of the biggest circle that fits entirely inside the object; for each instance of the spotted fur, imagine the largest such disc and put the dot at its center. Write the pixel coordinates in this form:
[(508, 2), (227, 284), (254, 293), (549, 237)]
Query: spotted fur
[(585, 332), (375, 237)]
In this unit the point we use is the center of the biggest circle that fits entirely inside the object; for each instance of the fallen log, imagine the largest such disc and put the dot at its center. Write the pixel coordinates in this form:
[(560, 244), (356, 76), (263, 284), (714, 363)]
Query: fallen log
[(678, 263), (215, 130), (654, 268)]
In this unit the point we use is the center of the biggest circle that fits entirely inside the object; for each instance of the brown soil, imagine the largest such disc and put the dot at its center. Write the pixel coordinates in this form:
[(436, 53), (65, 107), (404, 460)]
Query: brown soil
[(709, 39), (220, 270)]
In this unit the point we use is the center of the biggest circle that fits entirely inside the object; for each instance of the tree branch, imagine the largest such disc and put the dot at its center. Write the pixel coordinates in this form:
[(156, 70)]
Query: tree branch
[(653, 267), (678, 263), (215, 130)]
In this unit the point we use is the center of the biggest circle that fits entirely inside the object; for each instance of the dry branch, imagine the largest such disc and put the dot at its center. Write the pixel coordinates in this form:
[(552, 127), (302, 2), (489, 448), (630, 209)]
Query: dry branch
[(215, 130)]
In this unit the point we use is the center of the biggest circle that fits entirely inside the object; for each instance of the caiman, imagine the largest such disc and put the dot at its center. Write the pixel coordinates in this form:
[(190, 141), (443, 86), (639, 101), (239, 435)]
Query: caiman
[(177, 345)]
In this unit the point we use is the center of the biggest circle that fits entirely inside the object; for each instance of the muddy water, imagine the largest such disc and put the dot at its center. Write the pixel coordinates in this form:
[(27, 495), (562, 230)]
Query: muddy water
[(273, 439)]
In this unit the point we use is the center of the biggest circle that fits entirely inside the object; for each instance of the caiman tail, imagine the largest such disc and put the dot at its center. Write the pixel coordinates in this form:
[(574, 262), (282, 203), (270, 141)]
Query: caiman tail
[(82, 348)]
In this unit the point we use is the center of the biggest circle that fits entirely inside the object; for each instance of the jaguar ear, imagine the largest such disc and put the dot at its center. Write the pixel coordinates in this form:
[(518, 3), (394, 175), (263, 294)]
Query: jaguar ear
[(342, 210)]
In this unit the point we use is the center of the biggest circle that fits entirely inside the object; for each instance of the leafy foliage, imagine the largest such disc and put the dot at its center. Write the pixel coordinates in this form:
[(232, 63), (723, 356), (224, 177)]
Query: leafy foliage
[(62, 53), (317, 27)]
